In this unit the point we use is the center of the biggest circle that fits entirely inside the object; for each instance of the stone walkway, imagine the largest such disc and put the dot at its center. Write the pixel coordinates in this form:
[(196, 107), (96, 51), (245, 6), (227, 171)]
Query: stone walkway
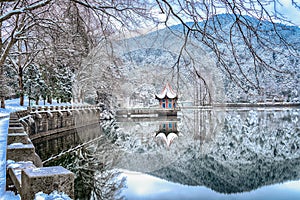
[(3, 138)]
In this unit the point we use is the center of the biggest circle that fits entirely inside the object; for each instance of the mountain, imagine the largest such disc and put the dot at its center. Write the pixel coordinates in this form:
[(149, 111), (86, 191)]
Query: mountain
[(198, 73), (276, 77)]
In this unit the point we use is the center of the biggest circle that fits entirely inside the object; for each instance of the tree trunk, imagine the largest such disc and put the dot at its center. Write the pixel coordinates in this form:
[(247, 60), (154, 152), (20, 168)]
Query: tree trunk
[(21, 86), (37, 101), (2, 98), (81, 98), (20, 76), (2, 88), (49, 100), (2, 102)]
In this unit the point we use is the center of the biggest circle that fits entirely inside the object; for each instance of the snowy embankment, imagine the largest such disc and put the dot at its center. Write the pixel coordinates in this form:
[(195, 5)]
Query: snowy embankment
[(12, 106), (3, 115)]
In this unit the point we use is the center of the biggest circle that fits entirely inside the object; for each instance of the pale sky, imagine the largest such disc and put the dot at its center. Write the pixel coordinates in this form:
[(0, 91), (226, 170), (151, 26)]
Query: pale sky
[(285, 8), (290, 11)]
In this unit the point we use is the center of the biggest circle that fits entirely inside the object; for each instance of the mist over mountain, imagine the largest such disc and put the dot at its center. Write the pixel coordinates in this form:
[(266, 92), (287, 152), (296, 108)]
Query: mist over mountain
[(158, 64), (139, 67), (277, 44)]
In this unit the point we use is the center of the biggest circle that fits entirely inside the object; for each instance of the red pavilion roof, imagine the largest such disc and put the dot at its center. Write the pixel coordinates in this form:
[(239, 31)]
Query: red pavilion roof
[(166, 92)]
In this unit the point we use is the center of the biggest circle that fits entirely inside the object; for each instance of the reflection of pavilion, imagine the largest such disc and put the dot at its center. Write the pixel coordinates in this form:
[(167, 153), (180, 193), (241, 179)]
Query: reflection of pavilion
[(167, 132)]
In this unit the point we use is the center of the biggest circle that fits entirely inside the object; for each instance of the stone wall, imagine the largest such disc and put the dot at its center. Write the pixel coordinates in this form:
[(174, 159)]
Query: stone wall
[(24, 170)]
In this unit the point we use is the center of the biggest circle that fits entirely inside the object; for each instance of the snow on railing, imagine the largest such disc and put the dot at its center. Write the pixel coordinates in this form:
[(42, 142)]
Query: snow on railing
[(20, 127)]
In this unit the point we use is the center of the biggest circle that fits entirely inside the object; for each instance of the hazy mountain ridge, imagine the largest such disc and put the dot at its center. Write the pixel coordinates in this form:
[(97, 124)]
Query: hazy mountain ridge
[(273, 86)]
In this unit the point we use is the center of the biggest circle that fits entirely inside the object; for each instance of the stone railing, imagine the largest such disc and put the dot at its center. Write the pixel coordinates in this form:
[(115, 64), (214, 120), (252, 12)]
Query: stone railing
[(24, 169), (43, 121)]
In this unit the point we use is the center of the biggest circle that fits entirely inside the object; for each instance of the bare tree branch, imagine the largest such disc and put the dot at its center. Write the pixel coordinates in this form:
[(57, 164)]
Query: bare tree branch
[(26, 8)]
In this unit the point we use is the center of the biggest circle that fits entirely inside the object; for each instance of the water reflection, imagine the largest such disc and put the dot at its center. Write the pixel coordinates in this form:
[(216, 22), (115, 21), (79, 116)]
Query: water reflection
[(167, 132), (211, 153), (95, 179), (230, 151), (145, 187)]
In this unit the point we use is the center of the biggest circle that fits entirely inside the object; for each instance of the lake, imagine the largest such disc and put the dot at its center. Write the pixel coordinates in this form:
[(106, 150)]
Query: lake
[(224, 153)]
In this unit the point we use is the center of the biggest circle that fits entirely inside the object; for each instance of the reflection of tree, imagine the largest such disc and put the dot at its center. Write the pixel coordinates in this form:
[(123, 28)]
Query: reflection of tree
[(108, 186), (93, 179), (228, 179), (252, 149)]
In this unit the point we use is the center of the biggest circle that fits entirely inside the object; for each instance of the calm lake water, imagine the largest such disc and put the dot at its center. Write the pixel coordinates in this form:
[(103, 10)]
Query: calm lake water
[(200, 154)]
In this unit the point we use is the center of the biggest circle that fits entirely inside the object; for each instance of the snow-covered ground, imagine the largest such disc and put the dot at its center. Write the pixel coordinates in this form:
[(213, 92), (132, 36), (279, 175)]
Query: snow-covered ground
[(3, 138), (12, 106)]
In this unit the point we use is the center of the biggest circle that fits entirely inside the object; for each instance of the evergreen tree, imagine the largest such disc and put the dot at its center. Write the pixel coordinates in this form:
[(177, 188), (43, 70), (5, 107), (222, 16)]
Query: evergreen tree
[(63, 84), (35, 86)]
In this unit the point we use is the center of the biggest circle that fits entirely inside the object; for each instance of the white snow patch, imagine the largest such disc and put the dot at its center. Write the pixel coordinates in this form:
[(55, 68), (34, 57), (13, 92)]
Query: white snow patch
[(54, 195), (10, 196), (16, 144)]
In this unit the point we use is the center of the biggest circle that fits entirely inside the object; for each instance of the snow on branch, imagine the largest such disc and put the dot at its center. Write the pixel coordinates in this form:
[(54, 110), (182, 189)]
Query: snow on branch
[(30, 7)]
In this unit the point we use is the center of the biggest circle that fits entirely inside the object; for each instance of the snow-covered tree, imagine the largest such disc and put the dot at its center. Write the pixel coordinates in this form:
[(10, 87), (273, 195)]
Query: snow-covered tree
[(34, 85), (65, 25), (247, 29), (65, 31), (16, 18), (63, 85)]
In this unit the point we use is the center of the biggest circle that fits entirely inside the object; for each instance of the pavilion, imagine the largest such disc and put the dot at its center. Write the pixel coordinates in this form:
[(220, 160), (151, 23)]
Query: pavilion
[(167, 98)]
